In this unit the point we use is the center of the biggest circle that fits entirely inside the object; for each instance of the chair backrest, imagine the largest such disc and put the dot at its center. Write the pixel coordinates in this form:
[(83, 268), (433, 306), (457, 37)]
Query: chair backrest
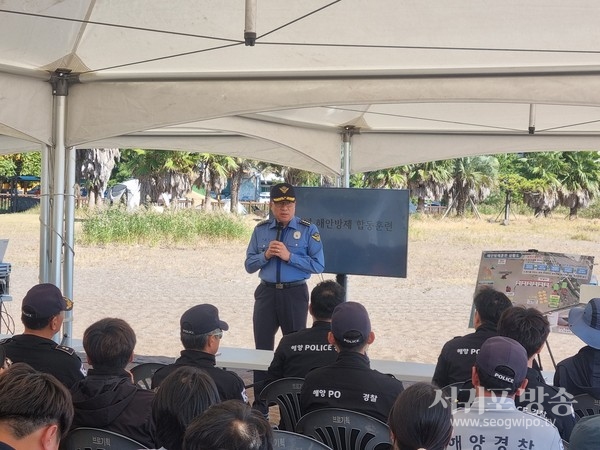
[(143, 373), (86, 438), (289, 440), (285, 392), (343, 429), (585, 405)]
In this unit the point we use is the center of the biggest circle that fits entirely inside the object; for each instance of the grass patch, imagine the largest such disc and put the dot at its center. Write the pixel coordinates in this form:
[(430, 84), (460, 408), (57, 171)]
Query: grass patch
[(115, 225)]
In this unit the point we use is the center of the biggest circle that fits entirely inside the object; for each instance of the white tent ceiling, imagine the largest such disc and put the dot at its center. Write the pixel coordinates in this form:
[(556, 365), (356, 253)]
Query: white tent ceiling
[(421, 80)]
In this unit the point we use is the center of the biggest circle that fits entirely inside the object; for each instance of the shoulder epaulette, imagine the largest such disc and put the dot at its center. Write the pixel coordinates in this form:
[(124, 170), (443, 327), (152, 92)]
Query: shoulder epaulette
[(64, 348), (305, 222), (262, 222)]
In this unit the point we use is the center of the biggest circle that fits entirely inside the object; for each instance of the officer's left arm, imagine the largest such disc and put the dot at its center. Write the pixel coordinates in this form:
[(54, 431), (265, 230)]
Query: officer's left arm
[(314, 260)]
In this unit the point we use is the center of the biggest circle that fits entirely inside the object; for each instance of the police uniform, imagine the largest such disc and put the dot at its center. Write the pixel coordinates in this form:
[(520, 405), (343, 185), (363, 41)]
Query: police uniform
[(281, 298), (350, 383), (496, 423), (229, 384), (539, 398), (46, 356), (302, 351), (457, 357)]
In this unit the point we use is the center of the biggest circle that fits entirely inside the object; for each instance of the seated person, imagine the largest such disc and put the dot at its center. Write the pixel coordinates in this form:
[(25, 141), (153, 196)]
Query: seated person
[(299, 352), (530, 328), (107, 397), (493, 420), (586, 434), (458, 355), (35, 411), (349, 382), (230, 425), (185, 394), (418, 421), (201, 334), (580, 374), (42, 313)]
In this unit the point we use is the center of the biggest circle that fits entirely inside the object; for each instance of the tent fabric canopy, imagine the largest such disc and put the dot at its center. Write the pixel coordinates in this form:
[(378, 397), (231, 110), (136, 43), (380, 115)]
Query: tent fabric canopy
[(417, 80)]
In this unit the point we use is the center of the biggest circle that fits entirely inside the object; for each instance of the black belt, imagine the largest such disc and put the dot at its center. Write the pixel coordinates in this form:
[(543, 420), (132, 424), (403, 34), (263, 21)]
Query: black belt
[(283, 285)]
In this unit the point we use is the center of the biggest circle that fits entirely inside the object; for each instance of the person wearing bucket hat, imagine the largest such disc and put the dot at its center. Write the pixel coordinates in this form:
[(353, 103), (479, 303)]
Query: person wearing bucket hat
[(580, 374), (349, 382), (42, 314), (201, 334), (493, 420), (285, 250)]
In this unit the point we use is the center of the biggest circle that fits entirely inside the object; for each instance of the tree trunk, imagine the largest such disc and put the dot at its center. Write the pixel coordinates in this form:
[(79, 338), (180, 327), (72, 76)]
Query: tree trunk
[(573, 212), (421, 204), (236, 181)]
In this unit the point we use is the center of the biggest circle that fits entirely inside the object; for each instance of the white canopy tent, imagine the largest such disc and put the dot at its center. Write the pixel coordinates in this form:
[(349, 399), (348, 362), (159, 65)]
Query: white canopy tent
[(386, 82)]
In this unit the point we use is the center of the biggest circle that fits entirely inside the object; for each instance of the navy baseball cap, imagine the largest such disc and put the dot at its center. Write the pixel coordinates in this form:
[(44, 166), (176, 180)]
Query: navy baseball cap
[(283, 192), (350, 323), (44, 301), (201, 319), (503, 358), (584, 322)]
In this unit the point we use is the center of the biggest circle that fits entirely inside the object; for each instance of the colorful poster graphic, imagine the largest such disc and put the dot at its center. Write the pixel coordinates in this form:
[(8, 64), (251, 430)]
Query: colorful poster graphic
[(547, 281)]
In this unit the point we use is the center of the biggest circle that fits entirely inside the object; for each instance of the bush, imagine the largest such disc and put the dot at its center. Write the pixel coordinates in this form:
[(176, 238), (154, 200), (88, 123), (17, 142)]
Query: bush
[(115, 225)]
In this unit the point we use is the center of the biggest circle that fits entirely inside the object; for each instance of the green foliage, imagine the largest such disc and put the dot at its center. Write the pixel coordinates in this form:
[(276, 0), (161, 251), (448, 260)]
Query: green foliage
[(20, 164), (115, 225)]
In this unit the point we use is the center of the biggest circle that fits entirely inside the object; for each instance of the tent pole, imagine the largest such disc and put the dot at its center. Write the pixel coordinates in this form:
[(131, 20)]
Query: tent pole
[(60, 91), (46, 152), (69, 253), (342, 278)]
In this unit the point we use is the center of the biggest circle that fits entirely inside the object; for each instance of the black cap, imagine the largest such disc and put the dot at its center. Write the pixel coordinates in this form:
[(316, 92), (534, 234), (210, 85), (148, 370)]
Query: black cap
[(503, 358), (283, 192), (44, 301), (350, 323), (201, 319)]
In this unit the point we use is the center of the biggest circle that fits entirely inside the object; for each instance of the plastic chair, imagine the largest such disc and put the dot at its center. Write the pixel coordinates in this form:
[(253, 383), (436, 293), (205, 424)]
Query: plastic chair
[(293, 441), (285, 392), (585, 405), (342, 429), (143, 373), (86, 438)]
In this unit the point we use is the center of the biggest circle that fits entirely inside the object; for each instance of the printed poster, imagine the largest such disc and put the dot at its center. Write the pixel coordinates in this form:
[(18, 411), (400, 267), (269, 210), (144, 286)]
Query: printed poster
[(547, 281)]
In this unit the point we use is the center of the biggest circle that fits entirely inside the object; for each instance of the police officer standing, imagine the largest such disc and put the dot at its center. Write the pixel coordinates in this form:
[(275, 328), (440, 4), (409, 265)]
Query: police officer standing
[(42, 314), (285, 250)]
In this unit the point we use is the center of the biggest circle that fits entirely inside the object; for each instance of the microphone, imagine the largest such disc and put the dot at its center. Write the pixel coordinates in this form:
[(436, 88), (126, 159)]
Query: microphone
[(279, 230)]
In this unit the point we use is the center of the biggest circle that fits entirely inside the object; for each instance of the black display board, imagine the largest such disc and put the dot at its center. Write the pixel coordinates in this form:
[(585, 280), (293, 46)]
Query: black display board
[(364, 231)]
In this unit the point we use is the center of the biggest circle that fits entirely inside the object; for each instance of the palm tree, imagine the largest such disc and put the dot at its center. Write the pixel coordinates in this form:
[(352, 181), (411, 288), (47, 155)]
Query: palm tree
[(160, 171), (429, 180), (95, 166), (541, 191), (392, 178), (580, 180), (215, 170), (473, 178)]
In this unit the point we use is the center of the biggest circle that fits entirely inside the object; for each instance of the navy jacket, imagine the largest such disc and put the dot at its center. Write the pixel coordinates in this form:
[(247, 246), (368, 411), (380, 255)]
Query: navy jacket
[(580, 374), (229, 384), (300, 352), (458, 355), (109, 400), (350, 383)]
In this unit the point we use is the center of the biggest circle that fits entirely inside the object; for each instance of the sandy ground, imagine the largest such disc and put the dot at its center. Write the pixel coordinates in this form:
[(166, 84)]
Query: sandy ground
[(412, 317)]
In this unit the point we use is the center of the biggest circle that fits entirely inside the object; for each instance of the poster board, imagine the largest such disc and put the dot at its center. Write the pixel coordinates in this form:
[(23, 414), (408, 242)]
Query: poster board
[(547, 281), (364, 231)]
